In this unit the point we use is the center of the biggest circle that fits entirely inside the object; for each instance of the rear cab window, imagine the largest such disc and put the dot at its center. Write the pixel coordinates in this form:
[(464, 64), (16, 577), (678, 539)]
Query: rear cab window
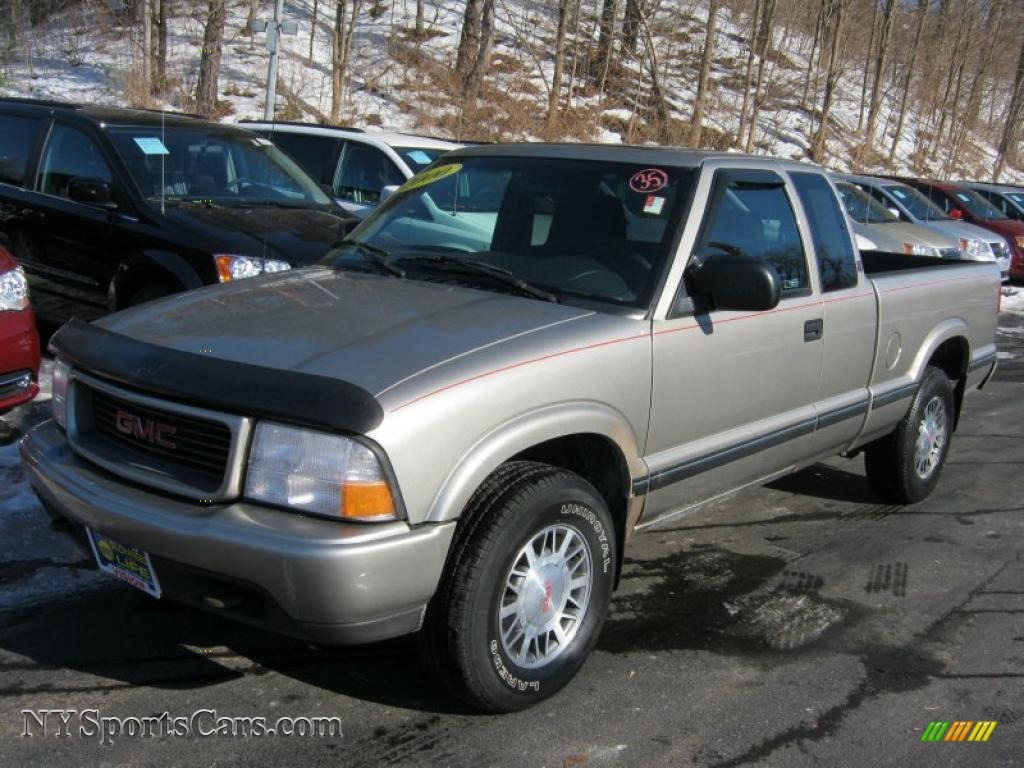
[(833, 245), (20, 134)]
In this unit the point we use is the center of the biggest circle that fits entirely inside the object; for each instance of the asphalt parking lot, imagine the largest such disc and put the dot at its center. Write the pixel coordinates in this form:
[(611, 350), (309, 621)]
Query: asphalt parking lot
[(800, 624)]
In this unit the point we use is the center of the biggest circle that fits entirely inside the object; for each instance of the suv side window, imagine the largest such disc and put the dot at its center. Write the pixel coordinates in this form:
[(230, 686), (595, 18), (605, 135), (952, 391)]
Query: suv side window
[(364, 171), (69, 153), (19, 137), (316, 154), (837, 262), (750, 214), (939, 198)]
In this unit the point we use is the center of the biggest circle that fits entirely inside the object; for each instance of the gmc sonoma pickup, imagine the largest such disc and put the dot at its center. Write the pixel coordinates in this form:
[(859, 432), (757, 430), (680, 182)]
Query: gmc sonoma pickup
[(454, 424)]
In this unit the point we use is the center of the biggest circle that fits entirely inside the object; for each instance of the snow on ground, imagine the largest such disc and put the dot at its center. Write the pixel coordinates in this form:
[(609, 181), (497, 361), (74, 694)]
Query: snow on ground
[(1013, 299), (386, 84)]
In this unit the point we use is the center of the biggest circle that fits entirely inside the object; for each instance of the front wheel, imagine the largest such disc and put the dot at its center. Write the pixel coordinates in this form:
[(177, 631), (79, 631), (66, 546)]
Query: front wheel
[(904, 467), (527, 590)]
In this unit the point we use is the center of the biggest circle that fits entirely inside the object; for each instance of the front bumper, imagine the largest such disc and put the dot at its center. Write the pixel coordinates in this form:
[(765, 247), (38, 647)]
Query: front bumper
[(321, 580)]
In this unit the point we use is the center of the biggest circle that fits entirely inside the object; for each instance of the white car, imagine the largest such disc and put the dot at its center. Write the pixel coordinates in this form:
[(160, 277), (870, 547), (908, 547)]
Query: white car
[(358, 167)]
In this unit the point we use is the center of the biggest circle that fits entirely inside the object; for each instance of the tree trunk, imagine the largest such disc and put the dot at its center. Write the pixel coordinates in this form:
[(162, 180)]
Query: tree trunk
[(881, 61), (631, 26), (1011, 130), (922, 14), (419, 20), (556, 80), (312, 32), (147, 48), (764, 38), (209, 63), (837, 14), (749, 71), (867, 66), (12, 25), (605, 40), (977, 87), (696, 124), (341, 48), (160, 67), (475, 44)]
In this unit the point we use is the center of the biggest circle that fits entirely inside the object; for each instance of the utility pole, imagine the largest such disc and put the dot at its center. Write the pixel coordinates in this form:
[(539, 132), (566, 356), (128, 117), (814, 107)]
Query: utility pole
[(274, 29)]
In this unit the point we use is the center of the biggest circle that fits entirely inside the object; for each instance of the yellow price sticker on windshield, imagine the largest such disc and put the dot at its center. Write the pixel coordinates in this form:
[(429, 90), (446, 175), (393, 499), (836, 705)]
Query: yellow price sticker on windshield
[(430, 176)]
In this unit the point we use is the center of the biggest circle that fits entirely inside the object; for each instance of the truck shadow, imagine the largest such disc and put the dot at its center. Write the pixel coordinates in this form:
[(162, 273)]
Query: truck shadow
[(827, 482)]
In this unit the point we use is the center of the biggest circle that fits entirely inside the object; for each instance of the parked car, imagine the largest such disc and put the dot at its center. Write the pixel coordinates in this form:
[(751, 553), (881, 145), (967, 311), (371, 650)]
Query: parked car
[(965, 204), (357, 167), (460, 424), (108, 207), (883, 228), (19, 340), (910, 205), (1008, 199)]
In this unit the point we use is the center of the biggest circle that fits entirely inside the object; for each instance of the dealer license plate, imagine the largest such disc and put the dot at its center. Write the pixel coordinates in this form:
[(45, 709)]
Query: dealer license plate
[(129, 564)]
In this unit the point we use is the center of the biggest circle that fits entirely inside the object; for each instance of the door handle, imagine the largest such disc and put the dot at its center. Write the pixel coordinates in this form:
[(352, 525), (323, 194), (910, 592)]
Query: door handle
[(814, 330)]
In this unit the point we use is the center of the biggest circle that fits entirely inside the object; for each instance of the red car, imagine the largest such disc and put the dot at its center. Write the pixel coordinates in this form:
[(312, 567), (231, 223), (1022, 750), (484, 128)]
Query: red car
[(967, 205), (19, 342)]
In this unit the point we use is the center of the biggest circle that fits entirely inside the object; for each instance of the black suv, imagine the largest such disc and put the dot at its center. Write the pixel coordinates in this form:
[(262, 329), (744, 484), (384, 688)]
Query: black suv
[(106, 207)]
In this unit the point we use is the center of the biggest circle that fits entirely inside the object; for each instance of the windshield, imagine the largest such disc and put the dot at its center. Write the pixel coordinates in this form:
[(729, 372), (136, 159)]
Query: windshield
[(862, 208), (204, 163), (919, 206), (976, 204), (418, 158), (599, 231)]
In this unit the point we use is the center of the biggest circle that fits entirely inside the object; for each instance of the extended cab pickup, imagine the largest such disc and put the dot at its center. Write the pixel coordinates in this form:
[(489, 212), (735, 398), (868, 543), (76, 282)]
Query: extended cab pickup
[(455, 423)]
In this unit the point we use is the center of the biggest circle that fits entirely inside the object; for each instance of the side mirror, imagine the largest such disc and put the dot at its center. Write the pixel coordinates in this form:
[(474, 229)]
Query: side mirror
[(388, 191), (736, 283), (895, 212), (956, 213), (82, 189)]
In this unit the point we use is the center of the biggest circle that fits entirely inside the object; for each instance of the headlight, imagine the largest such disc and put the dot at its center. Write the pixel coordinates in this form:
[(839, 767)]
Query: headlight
[(13, 290), (59, 388), (1020, 242), (975, 249), (917, 249), (232, 267), (319, 473)]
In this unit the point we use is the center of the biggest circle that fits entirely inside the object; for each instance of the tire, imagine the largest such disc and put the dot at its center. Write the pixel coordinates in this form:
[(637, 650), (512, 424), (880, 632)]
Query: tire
[(904, 467), (148, 293), (486, 659)]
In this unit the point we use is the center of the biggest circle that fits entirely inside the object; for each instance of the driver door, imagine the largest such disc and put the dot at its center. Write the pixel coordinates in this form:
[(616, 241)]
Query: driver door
[(733, 392)]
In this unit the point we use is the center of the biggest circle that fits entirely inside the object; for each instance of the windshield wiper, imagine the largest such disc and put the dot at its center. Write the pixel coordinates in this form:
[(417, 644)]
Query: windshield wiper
[(376, 256), (473, 266)]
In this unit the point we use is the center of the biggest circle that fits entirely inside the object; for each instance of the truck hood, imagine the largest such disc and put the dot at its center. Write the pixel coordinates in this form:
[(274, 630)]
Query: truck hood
[(300, 236), (959, 229), (892, 235), (370, 330)]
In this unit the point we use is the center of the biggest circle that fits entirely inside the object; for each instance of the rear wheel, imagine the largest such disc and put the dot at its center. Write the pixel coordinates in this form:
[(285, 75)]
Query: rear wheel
[(527, 589), (904, 467)]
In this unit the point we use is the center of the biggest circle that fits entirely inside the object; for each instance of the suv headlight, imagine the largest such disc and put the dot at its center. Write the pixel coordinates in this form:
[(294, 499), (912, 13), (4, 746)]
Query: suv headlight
[(917, 249), (233, 267), (13, 290), (319, 473), (59, 389), (975, 249)]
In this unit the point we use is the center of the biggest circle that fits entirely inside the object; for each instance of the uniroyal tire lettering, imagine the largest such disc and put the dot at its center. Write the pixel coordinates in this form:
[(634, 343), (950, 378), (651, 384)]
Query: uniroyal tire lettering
[(511, 680), (588, 514)]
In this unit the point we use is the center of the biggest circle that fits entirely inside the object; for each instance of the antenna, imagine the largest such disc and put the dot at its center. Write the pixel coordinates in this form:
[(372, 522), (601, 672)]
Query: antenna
[(163, 156)]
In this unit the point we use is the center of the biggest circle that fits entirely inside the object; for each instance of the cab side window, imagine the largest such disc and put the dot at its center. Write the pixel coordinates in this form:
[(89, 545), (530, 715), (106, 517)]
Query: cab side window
[(750, 215), (833, 247), (363, 172), (70, 153), (19, 137)]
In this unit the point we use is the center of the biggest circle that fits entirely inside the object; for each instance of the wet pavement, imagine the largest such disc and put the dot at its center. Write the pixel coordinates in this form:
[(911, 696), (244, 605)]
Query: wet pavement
[(800, 624)]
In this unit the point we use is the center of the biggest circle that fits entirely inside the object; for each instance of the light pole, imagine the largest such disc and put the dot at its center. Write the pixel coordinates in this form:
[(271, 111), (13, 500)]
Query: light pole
[(274, 29)]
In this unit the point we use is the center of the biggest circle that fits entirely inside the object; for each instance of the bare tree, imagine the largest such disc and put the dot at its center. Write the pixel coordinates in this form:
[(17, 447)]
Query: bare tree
[(312, 32), (631, 26), (605, 42), (834, 23), (908, 76), (748, 72), (209, 62), (419, 20), (881, 62), (147, 47), (475, 44), (556, 79), (1014, 115), (697, 121), (341, 48), (763, 41)]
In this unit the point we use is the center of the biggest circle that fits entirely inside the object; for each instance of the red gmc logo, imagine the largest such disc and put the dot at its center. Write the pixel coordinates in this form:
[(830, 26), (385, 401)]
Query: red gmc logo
[(145, 429)]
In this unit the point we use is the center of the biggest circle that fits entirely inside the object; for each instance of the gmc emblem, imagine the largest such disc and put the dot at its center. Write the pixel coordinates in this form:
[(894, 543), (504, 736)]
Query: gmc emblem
[(145, 429)]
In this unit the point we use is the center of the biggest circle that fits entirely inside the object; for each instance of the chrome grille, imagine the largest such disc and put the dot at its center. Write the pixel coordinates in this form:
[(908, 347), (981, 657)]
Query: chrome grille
[(949, 253), (1000, 250)]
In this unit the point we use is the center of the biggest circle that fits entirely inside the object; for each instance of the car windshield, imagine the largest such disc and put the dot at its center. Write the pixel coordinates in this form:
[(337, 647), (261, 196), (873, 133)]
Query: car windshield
[(597, 231), (418, 158), (976, 204), (204, 163), (862, 208), (919, 206)]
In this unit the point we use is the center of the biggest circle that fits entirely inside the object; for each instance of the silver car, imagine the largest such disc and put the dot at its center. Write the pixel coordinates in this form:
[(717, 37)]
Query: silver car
[(902, 200)]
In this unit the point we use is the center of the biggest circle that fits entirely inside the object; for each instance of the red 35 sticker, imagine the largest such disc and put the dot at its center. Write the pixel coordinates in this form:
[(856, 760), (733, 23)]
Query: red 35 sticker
[(648, 180)]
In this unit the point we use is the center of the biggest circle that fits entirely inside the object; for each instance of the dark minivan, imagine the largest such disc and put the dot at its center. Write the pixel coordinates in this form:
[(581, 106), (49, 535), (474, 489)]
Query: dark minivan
[(105, 208)]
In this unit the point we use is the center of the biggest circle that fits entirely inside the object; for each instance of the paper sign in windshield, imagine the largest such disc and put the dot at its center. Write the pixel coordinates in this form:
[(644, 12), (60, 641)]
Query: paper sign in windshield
[(151, 146), (429, 176), (419, 157), (653, 205)]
